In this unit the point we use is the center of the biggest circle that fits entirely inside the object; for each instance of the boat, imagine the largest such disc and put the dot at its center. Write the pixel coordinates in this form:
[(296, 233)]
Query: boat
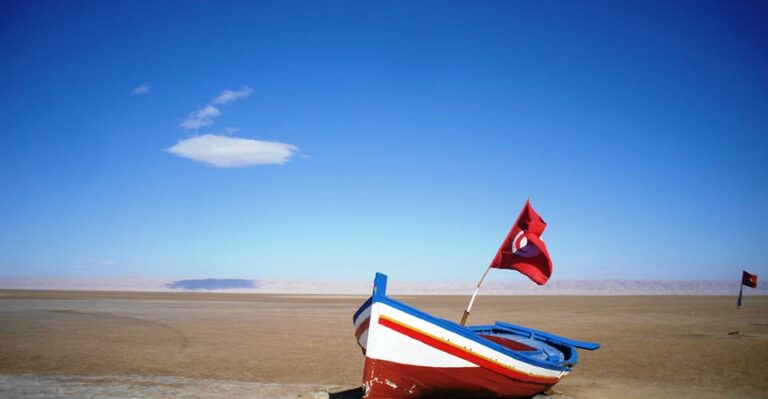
[(412, 354)]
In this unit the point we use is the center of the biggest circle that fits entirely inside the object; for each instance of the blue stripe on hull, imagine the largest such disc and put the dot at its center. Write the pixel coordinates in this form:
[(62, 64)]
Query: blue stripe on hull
[(362, 308)]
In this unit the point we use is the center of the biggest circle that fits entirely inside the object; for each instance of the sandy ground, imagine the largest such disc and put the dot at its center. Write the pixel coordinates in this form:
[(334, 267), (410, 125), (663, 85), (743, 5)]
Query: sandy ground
[(662, 347)]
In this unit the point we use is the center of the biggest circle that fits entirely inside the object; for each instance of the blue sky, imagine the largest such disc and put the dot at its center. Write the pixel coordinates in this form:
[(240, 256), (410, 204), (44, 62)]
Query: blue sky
[(401, 137)]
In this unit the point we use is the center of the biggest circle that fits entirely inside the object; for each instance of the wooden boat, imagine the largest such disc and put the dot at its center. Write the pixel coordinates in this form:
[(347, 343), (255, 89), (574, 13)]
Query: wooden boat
[(411, 354)]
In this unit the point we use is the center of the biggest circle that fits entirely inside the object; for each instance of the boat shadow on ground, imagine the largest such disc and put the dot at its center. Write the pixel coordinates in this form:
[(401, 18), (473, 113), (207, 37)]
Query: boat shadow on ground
[(357, 393), (354, 393)]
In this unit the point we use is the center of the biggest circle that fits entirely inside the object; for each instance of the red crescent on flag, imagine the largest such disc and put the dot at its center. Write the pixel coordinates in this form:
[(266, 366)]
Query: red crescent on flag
[(520, 246), (517, 242)]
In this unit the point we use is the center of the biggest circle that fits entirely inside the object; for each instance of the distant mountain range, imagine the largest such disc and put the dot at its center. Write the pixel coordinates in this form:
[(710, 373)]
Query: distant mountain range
[(555, 287)]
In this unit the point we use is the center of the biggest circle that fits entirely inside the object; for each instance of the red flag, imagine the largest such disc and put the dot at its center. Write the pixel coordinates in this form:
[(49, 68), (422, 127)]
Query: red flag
[(523, 249), (750, 280)]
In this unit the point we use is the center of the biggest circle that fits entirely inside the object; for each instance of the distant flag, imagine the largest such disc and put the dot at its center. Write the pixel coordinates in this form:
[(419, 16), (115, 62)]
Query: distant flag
[(748, 279), (523, 250)]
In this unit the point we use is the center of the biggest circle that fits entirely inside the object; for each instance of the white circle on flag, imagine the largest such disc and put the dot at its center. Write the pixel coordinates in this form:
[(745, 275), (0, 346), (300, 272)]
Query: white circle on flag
[(520, 246)]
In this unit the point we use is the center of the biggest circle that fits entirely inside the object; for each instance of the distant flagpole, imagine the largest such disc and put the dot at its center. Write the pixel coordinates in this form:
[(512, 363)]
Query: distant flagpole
[(471, 301), (741, 291)]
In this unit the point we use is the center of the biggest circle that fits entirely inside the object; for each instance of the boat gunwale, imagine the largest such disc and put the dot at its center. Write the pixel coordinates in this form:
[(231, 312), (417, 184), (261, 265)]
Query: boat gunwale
[(362, 308)]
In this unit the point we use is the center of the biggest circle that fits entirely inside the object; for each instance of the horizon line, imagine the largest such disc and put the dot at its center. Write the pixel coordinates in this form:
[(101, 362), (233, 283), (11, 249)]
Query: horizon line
[(337, 287)]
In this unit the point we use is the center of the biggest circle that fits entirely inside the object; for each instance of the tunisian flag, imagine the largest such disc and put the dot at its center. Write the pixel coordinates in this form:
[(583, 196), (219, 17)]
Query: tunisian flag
[(523, 249), (750, 280)]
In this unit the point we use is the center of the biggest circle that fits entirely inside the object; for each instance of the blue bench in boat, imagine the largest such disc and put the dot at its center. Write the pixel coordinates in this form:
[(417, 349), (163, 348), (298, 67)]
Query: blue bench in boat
[(590, 346), (546, 346)]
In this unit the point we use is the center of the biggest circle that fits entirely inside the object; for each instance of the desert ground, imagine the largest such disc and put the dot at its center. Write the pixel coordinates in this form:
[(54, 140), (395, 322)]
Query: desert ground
[(109, 344)]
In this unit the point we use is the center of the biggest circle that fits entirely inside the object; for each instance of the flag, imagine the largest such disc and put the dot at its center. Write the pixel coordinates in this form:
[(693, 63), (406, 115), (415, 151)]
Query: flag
[(523, 250), (750, 280)]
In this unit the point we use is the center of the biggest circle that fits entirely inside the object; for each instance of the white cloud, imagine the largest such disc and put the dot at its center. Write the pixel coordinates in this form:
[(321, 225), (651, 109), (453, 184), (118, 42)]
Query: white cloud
[(207, 114), (229, 152), (228, 96), (145, 88), (203, 117)]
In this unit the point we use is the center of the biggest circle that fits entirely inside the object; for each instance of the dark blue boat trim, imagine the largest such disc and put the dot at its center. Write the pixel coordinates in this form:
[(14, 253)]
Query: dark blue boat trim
[(379, 295), (362, 308)]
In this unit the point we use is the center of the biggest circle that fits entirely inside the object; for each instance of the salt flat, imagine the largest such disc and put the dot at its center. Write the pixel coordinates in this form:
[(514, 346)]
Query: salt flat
[(114, 344)]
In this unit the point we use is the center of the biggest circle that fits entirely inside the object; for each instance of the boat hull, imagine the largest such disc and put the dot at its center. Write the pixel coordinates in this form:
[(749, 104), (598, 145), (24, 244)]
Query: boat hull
[(410, 354)]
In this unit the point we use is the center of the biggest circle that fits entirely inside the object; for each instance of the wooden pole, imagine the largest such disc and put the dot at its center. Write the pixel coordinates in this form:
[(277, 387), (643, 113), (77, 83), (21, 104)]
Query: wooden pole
[(471, 301), (741, 290)]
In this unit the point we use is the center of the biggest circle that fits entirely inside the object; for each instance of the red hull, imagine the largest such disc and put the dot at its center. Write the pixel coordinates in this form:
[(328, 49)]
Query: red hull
[(384, 379)]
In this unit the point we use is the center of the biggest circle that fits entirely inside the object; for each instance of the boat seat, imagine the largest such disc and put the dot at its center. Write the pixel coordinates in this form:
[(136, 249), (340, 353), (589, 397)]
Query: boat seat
[(536, 349), (543, 351)]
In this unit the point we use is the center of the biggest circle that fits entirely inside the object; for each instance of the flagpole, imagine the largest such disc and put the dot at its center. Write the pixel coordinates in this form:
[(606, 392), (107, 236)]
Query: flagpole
[(471, 301), (741, 290)]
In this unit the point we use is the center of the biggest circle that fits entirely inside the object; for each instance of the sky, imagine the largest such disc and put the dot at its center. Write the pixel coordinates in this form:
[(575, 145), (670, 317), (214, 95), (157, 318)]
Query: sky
[(330, 140)]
